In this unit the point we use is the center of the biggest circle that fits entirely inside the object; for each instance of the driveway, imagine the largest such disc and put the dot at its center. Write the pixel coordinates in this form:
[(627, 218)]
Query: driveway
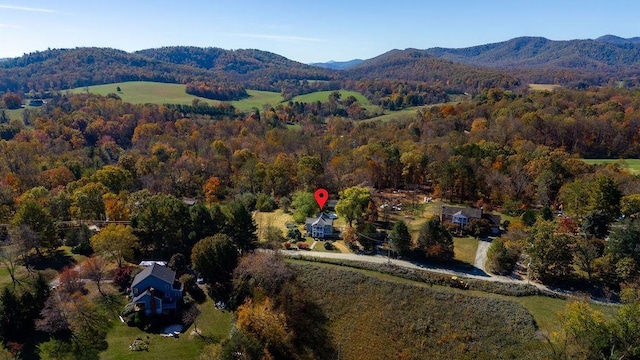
[(481, 255)]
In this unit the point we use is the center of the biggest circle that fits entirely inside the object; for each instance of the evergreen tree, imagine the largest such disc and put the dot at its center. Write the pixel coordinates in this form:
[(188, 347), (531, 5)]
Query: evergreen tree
[(435, 240), (242, 228), (400, 238)]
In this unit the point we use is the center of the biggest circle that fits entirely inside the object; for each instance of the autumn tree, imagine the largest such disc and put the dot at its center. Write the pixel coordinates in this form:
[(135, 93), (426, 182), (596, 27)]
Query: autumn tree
[(551, 253), (353, 203), (33, 227), (12, 101), (435, 240), (95, 268), (115, 178), (213, 190), (310, 170), (115, 241), (630, 205), (71, 282), (88, 203), (269, 326)]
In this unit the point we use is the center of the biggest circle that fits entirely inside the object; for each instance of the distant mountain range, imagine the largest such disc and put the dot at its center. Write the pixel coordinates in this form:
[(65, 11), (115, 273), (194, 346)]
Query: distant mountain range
[(514, 62), (338, 65)]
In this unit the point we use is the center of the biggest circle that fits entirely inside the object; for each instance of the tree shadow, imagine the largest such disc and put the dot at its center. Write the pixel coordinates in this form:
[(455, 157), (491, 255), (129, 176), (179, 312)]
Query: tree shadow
[(311, 328), (56, 260)]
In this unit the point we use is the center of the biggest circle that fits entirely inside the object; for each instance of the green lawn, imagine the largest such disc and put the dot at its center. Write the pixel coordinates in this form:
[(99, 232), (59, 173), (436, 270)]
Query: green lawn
[(633, 165), (214, 325), (465, 249), (142, 92), (394, 115), (16, 114), (324, 95)]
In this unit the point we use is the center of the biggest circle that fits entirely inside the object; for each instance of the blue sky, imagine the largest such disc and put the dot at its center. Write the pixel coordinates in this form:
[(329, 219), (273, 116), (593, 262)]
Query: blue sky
[(306, 31)]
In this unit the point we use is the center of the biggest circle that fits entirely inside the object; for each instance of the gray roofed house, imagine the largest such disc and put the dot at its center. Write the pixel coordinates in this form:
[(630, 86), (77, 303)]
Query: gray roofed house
[(156, 290), (319, 227)]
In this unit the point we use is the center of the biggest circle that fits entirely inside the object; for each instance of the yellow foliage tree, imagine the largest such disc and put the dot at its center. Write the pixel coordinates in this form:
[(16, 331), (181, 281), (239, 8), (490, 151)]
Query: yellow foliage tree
[(116, 242), (267, 325)]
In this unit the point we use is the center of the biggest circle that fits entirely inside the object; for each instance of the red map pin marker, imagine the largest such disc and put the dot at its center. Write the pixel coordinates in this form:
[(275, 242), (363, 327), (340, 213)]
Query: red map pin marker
[(321, 196)]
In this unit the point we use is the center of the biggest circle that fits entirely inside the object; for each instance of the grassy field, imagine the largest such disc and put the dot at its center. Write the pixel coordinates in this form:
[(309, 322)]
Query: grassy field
[(544, 87), (324, 95), (465, 249), (142, 92), (633, 165), (369, 318), (277, 218), (393, 115)]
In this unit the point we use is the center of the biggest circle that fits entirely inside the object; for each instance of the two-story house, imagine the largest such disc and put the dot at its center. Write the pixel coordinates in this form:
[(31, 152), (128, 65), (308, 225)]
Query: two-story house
[(156, 291)]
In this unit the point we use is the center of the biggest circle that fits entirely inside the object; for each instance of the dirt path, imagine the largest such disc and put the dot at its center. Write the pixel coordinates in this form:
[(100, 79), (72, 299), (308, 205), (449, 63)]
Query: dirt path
[(340, 246)]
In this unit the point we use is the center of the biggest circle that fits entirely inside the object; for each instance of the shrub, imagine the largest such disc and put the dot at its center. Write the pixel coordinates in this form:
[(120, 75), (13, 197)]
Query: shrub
[(122, 277), (500, 258), (287, 245), (302, 245)]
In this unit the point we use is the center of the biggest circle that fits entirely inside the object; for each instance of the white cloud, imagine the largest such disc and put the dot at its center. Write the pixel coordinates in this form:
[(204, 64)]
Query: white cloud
[(24, 8), (284, 38)]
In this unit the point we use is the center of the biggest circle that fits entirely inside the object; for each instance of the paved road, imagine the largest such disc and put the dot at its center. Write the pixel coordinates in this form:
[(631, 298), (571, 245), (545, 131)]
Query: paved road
[(379, 259)]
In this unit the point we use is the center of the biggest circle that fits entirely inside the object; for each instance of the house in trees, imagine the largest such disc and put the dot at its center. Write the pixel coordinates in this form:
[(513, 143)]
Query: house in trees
[(465, 216), (319, 227), (156, 291)]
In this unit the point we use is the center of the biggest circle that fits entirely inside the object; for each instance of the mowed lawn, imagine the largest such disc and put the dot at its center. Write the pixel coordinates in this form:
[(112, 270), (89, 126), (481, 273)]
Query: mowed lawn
[(633, 165), (214, 325), (323, 96), (142, 92), (465, 248)]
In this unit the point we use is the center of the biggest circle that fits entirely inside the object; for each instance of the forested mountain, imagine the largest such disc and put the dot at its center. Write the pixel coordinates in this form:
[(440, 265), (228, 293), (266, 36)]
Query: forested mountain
[(544, 60), (60, 69), (239, 65), (419, 65), (507, 64), (338, 65)]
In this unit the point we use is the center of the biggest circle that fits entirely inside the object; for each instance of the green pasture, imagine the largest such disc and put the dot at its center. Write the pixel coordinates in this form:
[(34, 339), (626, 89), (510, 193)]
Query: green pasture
[(633, 165), (142, 92), (323, 96)]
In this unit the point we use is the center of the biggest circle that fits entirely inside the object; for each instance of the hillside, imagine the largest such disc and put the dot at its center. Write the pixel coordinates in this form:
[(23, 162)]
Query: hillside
[(60, 69), (419, 65), (538, 58), (368, 318), (239, 65)]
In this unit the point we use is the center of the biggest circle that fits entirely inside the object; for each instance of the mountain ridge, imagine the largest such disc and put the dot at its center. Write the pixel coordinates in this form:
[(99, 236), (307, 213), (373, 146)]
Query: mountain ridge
[(508, 64)]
